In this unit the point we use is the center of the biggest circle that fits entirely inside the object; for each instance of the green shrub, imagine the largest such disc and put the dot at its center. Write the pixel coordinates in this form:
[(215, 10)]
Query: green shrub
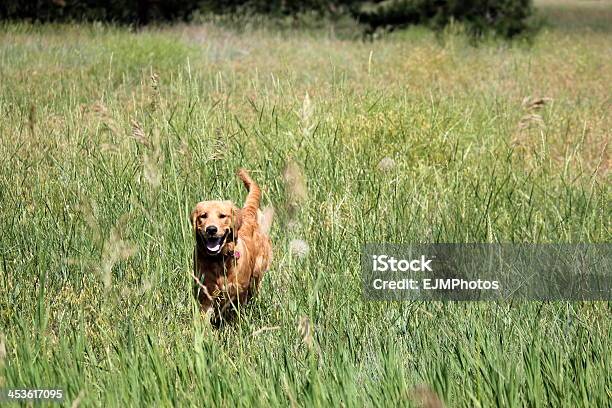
[(506, 18)]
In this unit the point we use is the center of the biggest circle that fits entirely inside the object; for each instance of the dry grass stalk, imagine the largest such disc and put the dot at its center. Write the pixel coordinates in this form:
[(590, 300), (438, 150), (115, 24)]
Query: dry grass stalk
[(115, 249), (306, 114), (295, 184), (305, 331)]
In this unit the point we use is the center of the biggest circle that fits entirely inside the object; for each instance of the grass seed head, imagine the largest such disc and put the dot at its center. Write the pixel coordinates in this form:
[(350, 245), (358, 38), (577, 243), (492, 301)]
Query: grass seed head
[(139, 135), (531, 103), (155, 99), (155, 81), (299, 248), (386, 164)]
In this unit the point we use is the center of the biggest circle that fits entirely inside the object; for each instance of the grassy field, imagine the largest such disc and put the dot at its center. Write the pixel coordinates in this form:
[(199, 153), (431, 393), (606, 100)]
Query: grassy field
[(108, 138)]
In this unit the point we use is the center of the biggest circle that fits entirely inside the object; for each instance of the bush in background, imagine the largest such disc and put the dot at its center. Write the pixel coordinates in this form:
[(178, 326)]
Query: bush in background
[(506, 18)]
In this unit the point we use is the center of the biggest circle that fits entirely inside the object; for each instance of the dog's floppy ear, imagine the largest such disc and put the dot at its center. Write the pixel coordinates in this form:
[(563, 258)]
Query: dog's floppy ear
[(236, 218), (192, 218)]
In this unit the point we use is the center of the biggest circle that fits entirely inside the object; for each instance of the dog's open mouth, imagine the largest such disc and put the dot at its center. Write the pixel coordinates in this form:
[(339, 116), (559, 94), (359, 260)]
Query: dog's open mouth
[(214, 244)]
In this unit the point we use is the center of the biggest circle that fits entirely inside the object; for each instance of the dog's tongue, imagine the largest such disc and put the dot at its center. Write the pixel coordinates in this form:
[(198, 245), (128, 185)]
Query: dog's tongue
[(214, 245)]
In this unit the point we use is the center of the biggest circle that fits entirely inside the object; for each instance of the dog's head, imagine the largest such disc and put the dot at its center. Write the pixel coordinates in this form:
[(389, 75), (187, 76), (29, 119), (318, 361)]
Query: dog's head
[(215, 224)]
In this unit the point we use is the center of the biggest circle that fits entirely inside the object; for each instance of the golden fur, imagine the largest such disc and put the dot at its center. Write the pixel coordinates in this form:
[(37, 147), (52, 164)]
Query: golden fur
[(231, 254)]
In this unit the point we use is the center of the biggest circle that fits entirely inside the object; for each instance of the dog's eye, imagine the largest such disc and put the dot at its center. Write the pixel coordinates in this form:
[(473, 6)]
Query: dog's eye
[(222, 215), (204, 215)]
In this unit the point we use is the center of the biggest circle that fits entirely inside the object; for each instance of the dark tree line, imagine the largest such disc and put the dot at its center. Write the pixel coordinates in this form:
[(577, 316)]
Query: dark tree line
[(504, 17)]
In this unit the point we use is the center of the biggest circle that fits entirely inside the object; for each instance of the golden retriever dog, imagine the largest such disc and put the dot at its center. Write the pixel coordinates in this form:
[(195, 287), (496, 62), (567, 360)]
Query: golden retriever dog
[(232, 252)]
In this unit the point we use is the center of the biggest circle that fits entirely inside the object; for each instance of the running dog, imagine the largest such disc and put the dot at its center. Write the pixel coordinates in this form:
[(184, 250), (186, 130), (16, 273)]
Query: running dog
[(232, 252)]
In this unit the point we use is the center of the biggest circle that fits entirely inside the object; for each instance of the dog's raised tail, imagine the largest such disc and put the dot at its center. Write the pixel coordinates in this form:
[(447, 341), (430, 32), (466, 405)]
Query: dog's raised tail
[(251, 205)]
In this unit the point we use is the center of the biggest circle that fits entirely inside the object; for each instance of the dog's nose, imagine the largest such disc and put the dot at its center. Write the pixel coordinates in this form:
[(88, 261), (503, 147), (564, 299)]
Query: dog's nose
[(211, 230)]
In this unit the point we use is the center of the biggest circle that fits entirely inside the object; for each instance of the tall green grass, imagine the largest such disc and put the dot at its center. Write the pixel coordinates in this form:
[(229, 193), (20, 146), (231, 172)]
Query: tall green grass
[(108, 138)]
